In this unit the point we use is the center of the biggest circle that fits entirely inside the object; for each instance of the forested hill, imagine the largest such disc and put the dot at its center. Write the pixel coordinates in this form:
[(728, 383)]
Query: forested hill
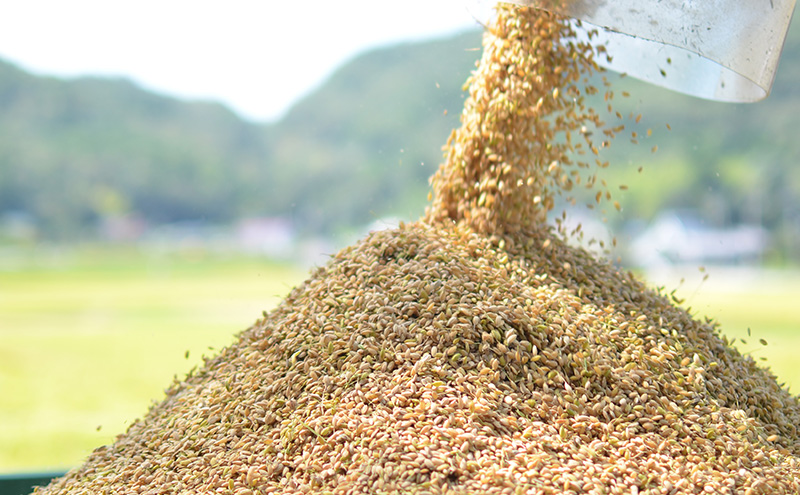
[(362, 146), (74, 151)]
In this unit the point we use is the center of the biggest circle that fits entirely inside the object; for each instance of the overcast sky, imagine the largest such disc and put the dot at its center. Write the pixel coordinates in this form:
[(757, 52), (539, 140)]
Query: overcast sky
[(257, 56)]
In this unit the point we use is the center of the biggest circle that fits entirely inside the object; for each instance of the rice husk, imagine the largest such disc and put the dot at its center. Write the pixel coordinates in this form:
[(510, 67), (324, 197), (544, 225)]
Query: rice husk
[(473, 351)]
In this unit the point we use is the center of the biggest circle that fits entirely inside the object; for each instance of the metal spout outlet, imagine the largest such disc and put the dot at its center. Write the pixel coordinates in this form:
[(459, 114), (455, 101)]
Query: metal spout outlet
[(725, 50)]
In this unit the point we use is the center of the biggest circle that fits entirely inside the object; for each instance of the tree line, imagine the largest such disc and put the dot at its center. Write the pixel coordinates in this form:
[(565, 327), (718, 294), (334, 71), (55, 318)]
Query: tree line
[(363, 145)]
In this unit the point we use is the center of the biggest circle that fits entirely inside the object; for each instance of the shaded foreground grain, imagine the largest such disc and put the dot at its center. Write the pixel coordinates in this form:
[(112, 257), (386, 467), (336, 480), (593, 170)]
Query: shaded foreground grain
[(473, 351)]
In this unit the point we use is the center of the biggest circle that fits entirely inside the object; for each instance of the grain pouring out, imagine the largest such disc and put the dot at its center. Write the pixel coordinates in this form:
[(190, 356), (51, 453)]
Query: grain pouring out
[(473, 351)]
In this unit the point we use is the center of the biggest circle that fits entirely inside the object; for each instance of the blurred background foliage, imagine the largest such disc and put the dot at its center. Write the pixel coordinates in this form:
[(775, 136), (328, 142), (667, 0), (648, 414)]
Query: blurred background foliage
[(361, 147)]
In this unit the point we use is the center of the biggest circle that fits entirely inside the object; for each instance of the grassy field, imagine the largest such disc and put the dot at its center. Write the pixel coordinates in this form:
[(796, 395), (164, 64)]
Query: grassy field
[(89, 339)]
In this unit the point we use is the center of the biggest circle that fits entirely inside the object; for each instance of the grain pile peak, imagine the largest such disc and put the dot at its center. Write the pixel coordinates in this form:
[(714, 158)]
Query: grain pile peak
[(438, 360), (471, 352), (513, 153)]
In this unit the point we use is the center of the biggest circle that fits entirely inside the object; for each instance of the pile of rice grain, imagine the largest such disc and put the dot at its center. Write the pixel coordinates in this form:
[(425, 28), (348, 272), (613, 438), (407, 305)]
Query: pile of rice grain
[(473, 351)]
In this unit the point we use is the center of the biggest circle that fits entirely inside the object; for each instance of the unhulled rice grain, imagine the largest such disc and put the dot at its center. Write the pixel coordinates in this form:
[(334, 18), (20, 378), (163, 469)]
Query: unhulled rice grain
[(473, 351)]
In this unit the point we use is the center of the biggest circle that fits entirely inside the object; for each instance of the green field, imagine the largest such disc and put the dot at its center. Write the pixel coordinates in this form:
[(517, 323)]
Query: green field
[(89, 339)]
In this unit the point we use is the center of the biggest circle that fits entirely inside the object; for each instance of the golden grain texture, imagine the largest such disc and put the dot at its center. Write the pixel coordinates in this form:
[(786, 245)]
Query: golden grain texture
[(526, 130), (473, 351), (436, 360)]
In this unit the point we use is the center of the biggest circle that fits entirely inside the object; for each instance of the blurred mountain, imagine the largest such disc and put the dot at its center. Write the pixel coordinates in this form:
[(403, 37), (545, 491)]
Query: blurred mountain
[(362, 146), (72, 151)]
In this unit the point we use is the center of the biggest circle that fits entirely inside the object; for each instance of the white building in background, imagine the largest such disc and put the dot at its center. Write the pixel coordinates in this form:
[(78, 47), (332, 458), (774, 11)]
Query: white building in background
[(381, 224), (593, 234), (270, 236), (678, 238)]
